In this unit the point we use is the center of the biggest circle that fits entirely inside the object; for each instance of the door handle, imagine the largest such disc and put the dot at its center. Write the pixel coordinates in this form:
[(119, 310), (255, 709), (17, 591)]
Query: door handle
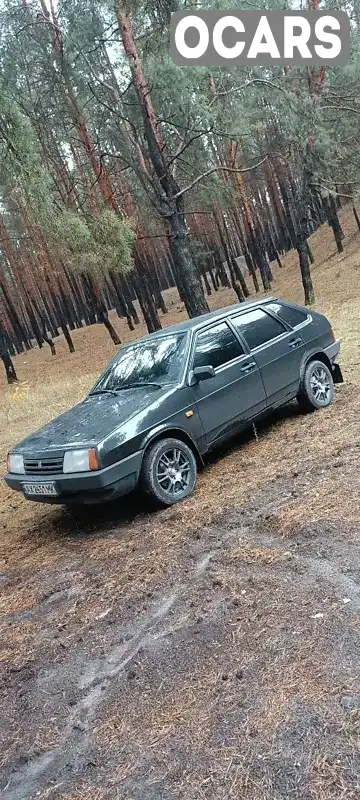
[(295, 342), (248, 367)]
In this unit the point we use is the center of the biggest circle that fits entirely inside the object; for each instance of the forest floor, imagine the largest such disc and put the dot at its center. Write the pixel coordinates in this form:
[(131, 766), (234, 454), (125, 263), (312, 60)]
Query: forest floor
[(207, 651)]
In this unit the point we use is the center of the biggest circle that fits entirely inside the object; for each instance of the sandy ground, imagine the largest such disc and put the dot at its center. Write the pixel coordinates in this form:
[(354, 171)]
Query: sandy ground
[(210, 650)]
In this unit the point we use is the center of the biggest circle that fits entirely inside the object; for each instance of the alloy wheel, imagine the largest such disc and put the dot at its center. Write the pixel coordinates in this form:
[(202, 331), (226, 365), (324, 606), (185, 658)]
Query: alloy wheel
[(320, 385), (173, 471)]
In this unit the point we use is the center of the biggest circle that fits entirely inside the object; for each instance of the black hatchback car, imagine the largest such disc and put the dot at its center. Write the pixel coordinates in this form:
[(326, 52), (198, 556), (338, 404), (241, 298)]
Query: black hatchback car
[(166, 400)]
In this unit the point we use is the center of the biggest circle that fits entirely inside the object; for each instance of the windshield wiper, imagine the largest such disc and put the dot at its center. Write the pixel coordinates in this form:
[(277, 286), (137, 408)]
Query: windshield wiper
[(139, 385), (103, 391), (122, 388)]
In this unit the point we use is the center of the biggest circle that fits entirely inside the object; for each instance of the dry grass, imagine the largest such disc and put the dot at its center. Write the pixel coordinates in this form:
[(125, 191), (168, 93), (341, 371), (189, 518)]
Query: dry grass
[(82, 793), (260, 555), (182, 710), (19, 642), (329, 780), (17, 600)]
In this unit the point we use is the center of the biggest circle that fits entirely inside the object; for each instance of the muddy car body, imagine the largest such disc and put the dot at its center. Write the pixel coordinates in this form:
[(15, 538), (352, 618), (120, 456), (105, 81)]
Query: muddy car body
[(166, 400)]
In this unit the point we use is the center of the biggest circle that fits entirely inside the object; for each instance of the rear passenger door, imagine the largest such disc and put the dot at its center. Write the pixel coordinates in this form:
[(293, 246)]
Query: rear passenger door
[(277, 350), (236, 392)]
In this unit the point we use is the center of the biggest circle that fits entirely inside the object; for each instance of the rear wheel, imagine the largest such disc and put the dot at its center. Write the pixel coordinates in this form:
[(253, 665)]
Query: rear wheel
[(169, 471), (317, 387)]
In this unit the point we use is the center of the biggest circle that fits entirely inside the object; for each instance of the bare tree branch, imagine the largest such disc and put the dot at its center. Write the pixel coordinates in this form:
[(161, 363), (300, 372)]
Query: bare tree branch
[(254, 81), (184, 145), (217, 169), (331, 106)]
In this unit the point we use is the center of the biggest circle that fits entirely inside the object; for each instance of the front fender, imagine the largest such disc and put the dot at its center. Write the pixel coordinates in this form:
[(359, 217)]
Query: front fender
[(166, 428)]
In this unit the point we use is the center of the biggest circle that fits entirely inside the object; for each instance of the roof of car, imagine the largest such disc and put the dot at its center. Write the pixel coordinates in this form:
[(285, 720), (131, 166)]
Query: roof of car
[(196, 322)]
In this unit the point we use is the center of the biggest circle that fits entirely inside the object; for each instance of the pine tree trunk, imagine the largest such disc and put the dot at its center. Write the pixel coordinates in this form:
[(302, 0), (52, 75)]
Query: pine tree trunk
[(305, 271), (246, 254), (8, 364), (97, 302), (68, 338), (154, 279), (143, 289), (235, 283), (185, 271), (356, 217), (104, 318), (129, 301), (288, 214), (261, 263), (309, 252), (123, 306), (46, 338), (334, 223), (146, 303), (206, 281), (221, 273), (210, 270)]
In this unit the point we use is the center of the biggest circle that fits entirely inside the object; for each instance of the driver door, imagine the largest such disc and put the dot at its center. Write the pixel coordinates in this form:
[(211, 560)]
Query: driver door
[(236, 393)]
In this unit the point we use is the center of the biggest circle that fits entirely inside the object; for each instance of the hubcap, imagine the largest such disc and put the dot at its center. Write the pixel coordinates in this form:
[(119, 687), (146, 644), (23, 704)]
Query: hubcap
[(173, 471), (320, 385)]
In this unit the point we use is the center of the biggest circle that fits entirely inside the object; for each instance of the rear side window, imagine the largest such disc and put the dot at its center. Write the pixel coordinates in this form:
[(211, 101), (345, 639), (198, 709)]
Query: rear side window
[(290, 315), (216, 346), (257, 327)]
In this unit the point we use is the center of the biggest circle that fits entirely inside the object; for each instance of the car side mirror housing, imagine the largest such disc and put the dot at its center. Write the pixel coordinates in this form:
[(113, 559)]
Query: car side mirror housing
[(201, 374)]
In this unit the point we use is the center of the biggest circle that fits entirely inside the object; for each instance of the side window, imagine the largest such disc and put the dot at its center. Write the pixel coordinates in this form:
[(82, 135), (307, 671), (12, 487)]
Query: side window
[(293, 316), (216, 346), (257, 327)]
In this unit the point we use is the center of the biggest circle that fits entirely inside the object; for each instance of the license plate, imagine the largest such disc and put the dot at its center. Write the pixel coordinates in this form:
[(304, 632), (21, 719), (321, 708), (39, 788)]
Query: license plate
[(48, 489)]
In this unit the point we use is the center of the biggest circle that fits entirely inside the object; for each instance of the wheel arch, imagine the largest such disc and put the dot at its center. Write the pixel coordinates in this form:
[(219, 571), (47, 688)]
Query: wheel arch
[(174, 433), (318, 355)]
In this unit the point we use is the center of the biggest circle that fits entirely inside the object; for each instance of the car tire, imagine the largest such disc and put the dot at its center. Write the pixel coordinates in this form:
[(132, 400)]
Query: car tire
[(317, 387), (169, 471)]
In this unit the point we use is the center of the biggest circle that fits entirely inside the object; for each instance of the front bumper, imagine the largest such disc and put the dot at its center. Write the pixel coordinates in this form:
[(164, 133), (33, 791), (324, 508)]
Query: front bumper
[(85, 487)]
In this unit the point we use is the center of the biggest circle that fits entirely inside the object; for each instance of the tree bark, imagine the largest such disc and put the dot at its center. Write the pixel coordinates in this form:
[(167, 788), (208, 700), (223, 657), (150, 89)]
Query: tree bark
[(185, 270), (68, 338), (305, 270), (309, 252), (6, 359), (334, 223), (104, 318), (143, 288), (356, 217), (235, 283)]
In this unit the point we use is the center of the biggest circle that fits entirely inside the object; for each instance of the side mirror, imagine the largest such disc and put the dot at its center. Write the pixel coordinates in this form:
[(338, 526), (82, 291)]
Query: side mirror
[(201, 374)]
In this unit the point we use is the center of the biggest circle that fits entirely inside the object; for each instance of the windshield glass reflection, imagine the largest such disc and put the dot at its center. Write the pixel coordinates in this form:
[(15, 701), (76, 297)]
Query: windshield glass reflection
[(157, 361)]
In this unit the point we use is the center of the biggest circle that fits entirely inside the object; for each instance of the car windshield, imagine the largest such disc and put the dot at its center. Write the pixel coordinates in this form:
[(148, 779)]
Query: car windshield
[(158, 361)]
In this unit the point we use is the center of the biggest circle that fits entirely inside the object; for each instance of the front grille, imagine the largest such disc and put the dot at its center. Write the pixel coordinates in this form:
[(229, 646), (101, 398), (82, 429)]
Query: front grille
[(43, 466)]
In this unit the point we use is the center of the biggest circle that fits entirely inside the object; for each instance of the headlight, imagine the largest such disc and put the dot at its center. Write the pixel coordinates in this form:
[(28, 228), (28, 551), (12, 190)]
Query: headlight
[(80, 461), (15, 464)]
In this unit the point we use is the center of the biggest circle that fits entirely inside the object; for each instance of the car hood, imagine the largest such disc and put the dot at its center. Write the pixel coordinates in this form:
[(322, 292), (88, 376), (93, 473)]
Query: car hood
[(92, 420)]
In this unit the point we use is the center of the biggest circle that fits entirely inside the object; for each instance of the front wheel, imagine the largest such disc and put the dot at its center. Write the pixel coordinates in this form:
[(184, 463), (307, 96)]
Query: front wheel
[(169, 471), (317, 387)]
